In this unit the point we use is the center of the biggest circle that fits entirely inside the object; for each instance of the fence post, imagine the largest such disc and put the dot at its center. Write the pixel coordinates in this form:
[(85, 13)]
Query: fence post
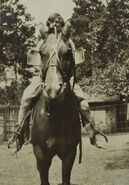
[(4, 125)]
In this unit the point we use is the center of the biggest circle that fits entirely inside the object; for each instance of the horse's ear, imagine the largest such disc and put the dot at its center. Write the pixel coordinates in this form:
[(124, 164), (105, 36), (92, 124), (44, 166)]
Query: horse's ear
[(42, 30), (33, 57), (67, 29)]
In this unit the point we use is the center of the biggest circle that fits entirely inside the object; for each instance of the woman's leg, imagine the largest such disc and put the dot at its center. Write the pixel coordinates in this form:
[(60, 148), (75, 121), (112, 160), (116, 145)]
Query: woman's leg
[(32, 91), (86, 116)]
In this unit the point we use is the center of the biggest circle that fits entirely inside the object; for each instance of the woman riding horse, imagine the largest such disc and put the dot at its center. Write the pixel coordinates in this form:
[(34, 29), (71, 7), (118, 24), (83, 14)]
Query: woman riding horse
[(35, 88)]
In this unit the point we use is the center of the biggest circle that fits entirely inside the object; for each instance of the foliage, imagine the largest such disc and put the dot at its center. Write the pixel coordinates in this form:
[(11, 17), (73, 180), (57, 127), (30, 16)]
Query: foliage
[(16, 37), (112, 80), (88, 21), (103, 30)]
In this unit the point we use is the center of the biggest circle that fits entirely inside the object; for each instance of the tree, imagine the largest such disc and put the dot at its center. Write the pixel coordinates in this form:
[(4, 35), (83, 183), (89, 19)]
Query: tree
[(88, 20), (115, 46), (110, 81), (108, 48), (17, 36)]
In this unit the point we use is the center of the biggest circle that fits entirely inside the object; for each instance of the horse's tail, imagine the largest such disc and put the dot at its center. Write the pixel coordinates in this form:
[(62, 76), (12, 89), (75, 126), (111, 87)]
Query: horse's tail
[(80, 150)]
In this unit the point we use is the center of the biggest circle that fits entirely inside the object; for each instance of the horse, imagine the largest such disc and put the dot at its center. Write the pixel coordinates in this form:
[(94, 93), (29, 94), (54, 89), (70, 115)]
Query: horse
[(56, 128)]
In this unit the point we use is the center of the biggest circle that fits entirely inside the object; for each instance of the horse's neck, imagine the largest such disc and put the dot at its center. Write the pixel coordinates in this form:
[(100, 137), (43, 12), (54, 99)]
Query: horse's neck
[(64, 104), (69, 97), (67, 102)]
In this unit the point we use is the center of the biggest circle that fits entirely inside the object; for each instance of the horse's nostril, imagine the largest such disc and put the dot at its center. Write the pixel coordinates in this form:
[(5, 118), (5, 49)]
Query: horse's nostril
[(48, 91), (61, 84), (44, 86)]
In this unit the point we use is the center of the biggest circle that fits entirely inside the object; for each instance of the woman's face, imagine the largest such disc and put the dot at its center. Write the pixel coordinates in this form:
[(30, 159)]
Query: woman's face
[(55, 23)]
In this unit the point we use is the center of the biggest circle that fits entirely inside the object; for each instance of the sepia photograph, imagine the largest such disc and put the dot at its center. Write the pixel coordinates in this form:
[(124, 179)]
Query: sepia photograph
[(64, 92)]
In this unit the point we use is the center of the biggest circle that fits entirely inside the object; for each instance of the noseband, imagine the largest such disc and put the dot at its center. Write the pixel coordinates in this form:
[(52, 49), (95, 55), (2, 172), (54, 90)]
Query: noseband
[(50, 63)]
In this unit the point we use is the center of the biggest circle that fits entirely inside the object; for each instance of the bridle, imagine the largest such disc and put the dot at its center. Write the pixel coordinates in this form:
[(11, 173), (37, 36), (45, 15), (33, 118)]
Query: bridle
[(50, 62)]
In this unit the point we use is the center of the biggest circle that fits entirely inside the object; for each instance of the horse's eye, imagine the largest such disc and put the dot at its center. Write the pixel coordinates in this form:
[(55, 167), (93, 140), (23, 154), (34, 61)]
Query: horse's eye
[(42, 54), (69, 50)]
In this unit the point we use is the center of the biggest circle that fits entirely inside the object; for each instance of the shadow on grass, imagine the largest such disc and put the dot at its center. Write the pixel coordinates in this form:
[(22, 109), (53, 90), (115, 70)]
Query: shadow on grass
[(118, 161)]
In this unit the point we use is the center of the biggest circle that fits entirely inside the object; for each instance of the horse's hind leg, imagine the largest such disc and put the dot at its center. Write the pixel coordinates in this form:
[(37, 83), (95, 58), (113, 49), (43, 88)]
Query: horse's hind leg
[(67, 164), (43, 165)]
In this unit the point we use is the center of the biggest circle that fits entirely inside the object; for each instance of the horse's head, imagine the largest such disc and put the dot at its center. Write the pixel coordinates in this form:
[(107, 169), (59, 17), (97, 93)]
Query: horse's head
[(57, 64)]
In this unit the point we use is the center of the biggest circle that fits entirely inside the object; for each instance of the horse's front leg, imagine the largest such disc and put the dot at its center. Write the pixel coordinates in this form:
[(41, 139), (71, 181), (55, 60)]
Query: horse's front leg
[(43, 164), (67, 164)]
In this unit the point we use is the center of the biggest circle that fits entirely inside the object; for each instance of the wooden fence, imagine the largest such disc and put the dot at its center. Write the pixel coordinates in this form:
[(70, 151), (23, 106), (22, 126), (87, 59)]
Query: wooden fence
[(8, 120), (111, 118), (107, 117)]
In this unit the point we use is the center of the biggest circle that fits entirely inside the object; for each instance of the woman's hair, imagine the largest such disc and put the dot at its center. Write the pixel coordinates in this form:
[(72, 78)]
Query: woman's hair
[(52, 18)]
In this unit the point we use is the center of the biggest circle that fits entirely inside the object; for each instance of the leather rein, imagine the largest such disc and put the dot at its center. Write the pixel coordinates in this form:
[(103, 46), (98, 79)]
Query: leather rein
[(57, 65)]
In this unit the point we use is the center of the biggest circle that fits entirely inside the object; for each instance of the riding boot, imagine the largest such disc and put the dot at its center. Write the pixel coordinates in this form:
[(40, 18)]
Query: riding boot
[(86, 123), (17, 140), (89, 125)]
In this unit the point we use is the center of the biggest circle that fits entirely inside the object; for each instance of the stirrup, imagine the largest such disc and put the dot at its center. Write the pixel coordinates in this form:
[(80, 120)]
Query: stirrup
[(15, 143)]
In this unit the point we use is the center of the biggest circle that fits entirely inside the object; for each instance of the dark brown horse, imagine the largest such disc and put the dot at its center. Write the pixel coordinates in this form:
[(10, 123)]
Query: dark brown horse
[(56, 126)]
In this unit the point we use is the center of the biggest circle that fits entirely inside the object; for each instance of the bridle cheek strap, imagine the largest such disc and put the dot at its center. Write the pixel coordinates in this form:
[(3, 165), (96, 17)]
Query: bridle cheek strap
[(58, 65)]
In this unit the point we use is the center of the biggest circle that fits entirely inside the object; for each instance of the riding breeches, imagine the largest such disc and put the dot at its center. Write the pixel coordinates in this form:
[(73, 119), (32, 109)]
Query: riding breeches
[(29, 94), (34, 89)]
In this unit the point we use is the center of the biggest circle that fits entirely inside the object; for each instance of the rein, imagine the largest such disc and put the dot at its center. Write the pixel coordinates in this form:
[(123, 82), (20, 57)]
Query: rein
[(59, 67), (55, 52)]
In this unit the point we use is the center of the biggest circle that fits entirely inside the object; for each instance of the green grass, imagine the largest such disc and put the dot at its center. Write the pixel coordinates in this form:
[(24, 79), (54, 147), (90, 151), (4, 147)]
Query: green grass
[(99, 166)]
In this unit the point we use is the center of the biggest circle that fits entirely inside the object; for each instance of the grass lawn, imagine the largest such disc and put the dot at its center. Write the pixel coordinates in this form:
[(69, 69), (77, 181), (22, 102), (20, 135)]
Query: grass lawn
[(108, 166)]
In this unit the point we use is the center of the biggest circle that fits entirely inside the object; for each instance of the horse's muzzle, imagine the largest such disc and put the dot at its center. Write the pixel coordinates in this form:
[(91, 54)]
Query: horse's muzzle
[(53, 92)]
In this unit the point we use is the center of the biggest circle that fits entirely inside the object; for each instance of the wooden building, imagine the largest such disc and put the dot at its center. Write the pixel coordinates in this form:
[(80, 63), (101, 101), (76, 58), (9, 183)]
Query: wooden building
[(110, 114)]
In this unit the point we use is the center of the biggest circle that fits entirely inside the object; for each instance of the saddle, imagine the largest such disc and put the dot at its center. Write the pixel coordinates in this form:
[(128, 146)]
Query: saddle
[(25, 127)]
